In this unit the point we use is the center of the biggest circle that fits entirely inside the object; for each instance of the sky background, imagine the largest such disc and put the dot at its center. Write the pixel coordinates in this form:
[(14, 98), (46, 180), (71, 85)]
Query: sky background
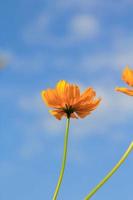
[(84, 42)]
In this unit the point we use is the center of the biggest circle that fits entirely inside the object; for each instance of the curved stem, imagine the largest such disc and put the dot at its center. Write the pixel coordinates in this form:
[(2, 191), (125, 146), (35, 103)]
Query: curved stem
[(63, 160), (128, 151)]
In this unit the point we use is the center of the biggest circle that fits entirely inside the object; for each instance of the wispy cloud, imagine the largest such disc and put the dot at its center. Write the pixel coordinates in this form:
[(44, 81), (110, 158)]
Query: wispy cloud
[(77, 28), (114, 58), (84, 26), (5, 58)]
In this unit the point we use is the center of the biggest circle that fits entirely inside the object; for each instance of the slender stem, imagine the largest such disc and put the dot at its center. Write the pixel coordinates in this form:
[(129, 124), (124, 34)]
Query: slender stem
[(127, 152), (63, 160)]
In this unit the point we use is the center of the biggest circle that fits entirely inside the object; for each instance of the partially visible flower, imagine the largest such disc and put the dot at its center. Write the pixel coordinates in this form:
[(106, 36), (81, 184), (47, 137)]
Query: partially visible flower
[(127, 77), (67, 101)]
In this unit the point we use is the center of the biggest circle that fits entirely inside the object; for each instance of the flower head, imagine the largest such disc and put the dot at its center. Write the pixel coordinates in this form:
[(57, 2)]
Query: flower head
[(127, 77), (67, 101)]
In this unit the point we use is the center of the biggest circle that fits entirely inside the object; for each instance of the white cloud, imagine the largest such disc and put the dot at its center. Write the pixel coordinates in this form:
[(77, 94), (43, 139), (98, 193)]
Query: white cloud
[(37, 30), (123, 44), (51, 27), (32, 103), (81, 28), (77, 28), (5, 58), (34, 62), (84, 26), (115, 58)]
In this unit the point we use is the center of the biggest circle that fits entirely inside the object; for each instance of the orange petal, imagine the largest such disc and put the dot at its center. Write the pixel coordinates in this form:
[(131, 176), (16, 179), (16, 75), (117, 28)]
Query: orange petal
[(127, 76), (125, 91), (89, 107), (67, 92), (51, 98), (66, 96), (86, 109), (87, 96), (82, 114), (58, 114), (72, 93), (61, 87)]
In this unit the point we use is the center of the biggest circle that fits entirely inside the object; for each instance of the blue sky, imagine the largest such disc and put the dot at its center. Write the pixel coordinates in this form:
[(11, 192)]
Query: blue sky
[(85, 42)]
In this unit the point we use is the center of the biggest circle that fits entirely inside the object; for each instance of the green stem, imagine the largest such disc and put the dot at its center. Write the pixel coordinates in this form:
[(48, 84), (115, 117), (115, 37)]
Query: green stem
[(63, 160), (128, 151)]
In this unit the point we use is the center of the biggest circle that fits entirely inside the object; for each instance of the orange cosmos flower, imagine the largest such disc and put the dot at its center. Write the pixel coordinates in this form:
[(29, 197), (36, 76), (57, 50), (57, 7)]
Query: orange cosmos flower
[(67, 100), (127, 77)]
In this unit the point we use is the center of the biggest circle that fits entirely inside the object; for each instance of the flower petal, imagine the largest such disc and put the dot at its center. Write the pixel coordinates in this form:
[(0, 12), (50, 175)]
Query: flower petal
[(86, 109), (82, 114), (67, 101), (61, 87), (124, 90), (90, 106), (51, 98), (86, 97), (72, 94), (58, 114), (127, 76), (67, 92)]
